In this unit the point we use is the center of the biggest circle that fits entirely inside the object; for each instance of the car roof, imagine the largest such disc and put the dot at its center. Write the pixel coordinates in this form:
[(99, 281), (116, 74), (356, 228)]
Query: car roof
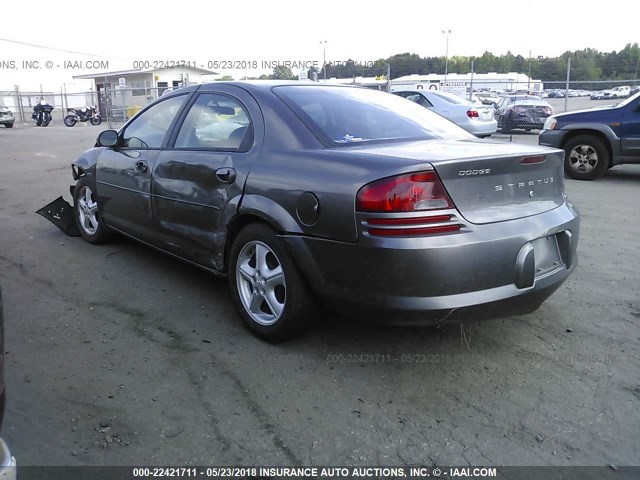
[(268, 84), (531, 101)]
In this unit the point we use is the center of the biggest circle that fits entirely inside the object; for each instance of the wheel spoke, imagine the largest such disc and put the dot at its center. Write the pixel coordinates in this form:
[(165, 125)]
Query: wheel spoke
[(246, 271), (274, 277), (256, 302), (87, 196), (93, 221), (261, 259)]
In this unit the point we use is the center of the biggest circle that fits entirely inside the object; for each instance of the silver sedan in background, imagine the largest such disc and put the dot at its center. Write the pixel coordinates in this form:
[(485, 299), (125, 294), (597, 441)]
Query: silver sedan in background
[(476, 119)]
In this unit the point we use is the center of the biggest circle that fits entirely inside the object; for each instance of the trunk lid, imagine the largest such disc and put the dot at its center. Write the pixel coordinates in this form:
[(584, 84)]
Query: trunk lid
[(485, 113), (489, 181)]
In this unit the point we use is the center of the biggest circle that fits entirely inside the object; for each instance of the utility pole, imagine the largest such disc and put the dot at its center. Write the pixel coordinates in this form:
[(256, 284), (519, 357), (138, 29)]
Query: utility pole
[(471, 84), (566, 91), (446, 54), (19, 102), (324, 59), (388, 77), (529, 81), (107, 100)]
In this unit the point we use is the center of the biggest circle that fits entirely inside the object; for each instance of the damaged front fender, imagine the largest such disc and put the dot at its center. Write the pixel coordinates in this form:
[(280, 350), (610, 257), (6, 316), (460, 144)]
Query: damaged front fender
[(60, 212), (85, 164)]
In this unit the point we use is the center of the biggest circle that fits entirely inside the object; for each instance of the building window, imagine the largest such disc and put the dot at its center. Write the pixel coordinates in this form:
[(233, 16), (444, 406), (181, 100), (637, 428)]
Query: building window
[(162, 87), (139, 89)]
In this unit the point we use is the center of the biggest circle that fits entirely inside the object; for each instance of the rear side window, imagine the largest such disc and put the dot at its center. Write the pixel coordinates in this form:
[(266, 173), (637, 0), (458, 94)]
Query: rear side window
[(347, 115), (216, 122), (416, 98)]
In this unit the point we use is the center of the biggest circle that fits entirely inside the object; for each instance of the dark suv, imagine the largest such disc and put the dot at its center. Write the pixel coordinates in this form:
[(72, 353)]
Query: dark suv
[(596, 139)]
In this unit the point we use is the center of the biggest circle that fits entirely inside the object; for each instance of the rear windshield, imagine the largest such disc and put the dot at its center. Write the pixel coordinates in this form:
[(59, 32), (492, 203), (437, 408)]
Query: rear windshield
[(542, 103), (519, 98), (348, 115)]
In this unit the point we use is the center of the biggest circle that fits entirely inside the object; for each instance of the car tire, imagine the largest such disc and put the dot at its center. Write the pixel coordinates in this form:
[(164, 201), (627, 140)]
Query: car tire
[(8, 125), (267, 287), (586, 157), (85, 211)]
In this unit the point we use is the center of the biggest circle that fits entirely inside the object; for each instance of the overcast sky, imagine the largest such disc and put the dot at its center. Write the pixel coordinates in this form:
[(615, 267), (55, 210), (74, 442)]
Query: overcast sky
[(124, 31)]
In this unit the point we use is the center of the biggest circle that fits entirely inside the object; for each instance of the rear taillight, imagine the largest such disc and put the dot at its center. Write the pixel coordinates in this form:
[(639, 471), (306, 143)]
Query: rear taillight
[(472, 113), (533, 160), (404, 193), (413, 192), (408, 221), (410, 227), (412, 232)]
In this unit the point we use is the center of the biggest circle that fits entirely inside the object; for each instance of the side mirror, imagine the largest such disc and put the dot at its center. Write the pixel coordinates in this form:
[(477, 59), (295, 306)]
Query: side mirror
[(108, 138)]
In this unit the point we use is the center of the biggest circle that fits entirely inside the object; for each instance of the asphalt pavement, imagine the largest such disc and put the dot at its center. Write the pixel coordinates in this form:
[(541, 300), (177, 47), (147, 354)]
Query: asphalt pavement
[(119, 355)]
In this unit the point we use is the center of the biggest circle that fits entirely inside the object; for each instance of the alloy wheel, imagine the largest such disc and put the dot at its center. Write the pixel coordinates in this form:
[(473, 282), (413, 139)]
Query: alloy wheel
[(261, 283), (87, 211), (583, 158)]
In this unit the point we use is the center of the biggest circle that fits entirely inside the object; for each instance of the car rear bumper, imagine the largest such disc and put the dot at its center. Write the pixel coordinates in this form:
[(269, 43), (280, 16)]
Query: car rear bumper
[(478, 274), (481, 128), (4, 120)]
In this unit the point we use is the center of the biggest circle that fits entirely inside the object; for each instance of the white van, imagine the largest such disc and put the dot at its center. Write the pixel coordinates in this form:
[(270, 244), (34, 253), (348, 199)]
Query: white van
[(618, 92)]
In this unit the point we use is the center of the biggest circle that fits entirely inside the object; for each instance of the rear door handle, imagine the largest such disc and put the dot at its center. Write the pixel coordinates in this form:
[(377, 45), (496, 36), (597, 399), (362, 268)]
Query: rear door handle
[(141, 166), (226, 174)]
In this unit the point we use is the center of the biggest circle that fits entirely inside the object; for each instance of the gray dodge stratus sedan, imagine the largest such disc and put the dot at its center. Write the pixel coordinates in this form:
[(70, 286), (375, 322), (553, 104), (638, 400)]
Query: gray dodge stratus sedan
[(305, 194)]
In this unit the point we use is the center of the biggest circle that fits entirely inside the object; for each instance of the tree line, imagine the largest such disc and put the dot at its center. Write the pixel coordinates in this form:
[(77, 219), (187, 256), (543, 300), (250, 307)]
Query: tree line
[(586, 65)]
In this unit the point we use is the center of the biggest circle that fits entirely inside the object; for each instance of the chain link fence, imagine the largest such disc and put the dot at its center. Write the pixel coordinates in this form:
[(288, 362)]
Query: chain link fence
[(21, 103), (578, 95), (117, 105)]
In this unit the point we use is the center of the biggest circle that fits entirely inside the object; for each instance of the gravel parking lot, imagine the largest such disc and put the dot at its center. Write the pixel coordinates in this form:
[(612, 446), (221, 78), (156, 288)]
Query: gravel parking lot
[(118, 355)]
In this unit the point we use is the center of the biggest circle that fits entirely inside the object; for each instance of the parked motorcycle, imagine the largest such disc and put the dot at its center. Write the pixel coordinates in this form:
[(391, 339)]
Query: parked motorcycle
[(42, 114), (84, 114)]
